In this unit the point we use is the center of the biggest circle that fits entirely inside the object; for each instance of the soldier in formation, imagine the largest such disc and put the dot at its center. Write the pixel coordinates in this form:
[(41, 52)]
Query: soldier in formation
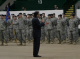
[(19, 28)]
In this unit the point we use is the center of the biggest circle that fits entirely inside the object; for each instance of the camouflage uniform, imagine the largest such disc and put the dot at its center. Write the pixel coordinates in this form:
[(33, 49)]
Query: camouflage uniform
[(73, 30), (26, 27), (3, 31), (21, 31), (44, 30), (60, 30), (10, 29), (49, 29), (54, 27), (66, 20), (29, 29), (15, 29)]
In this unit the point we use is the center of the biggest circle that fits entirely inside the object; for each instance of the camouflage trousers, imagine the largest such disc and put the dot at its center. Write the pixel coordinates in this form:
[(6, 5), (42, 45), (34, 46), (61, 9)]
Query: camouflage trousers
[(21, 36), (30, 37), (15, 33), (49, 34), (10, 33), (42, 34), (61, 35), (4, 36), (73, 35)]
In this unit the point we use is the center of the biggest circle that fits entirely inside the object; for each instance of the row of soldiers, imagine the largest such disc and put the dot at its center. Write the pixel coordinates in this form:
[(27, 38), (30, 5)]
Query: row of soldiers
[(20, 28)]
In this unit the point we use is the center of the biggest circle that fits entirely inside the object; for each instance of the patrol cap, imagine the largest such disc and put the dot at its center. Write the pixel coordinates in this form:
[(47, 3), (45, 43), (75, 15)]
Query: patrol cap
[(40, 14), (12, 14), (2, 15), (30, 14), (60, 15), (20, 13), (49, 14), (24, 13)]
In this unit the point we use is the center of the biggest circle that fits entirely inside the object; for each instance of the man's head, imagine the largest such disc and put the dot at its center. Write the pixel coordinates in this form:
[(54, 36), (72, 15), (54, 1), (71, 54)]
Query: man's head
[(36, 14), (20, 15), (40, 16), (53, 14), (60, 16), (2, 16), (73, 15), (29, 15), (43, 14), (12, 15), (24, 14), (49, 16), (15, 17)]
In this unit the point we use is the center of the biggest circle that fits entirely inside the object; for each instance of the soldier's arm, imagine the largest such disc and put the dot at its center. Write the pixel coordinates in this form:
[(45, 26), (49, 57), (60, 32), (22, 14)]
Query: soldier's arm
[(67, 21)]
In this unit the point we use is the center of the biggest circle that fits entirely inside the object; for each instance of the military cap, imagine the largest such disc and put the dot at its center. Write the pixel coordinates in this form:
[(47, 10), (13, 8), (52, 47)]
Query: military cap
[(49, 14), (60, 15), (20, 13)]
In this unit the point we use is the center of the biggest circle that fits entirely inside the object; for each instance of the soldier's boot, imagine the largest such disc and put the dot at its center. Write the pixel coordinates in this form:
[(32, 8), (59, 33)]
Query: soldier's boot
[(41, 41), (60, 41), (71, 42), (6, 43), (24, 44), (48, 41), (28, 40), (20, 43), (52, 41), (75, 42), (64, 41), (2, 44)]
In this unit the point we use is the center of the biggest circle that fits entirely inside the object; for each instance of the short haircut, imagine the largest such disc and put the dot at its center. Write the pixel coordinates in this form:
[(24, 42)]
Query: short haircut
[(36, 13)]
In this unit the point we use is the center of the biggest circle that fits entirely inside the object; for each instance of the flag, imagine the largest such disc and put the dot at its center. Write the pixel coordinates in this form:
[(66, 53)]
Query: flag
[(8, 14)]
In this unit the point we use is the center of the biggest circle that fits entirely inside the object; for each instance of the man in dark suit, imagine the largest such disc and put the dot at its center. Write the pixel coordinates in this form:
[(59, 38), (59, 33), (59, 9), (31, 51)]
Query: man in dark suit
[(36, 33)]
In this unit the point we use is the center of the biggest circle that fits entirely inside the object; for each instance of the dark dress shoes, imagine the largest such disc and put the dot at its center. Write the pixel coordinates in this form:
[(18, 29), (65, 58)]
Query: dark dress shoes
[(37, 56)]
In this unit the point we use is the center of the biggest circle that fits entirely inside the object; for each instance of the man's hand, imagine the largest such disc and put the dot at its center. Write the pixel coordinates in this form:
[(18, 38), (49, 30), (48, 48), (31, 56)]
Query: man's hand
[(43, 21)]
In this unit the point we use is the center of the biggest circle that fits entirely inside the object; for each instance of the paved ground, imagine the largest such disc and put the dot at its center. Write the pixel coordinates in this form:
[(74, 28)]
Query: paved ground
[(47, 51)]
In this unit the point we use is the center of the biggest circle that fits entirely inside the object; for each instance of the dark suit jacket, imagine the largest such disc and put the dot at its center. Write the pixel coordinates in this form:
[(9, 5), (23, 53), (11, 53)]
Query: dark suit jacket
[(37, 27)]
